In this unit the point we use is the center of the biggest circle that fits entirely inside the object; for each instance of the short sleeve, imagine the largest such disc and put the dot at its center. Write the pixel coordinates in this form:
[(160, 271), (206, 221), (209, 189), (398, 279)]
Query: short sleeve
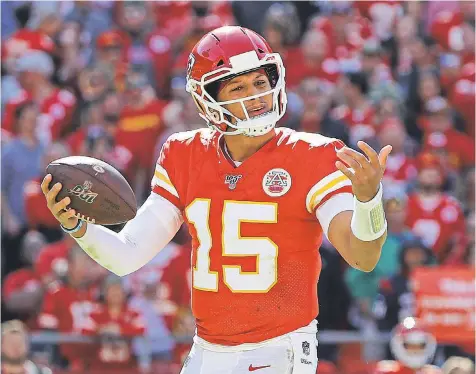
[(327, 180), (163, 182)]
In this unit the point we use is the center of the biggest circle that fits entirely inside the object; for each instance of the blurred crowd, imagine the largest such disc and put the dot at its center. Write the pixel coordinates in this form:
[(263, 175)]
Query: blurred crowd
[(107, 80)]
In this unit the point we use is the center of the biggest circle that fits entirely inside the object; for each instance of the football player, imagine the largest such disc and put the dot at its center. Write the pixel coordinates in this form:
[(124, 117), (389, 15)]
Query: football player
[(413, 347), (257, 200)]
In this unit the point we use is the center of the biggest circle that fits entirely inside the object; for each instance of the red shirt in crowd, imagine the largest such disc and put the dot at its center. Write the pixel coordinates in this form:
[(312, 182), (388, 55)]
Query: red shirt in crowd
[(138, 130), (400, 170), (441, 225), (114, 354), (25, 40), (37, 212), (458, 146), (55, 113), (68, 310)]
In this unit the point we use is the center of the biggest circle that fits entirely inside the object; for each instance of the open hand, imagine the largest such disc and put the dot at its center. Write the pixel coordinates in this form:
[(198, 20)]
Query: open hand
[(367, 171)]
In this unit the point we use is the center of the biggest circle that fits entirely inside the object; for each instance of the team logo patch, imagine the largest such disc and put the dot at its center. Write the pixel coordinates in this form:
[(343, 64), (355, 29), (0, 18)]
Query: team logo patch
[(83, 192), (232, 180), (276, 182), (306, 349)]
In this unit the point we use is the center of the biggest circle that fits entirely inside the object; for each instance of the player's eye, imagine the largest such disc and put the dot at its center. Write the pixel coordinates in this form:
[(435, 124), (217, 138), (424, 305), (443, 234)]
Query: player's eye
[(260, 83), (237, 88)]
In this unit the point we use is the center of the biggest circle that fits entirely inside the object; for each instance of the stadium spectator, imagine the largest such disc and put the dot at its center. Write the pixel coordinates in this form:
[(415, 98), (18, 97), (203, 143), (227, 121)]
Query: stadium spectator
[(395, 299), (22, 289), (435, 216), (115, 324), (15, 350), (37, 213), (440, 134), (67, 307), (56, 105), (401, 169), (315, 115), (313, 59), (159, 290), (357, 111), (140, 123), (24, 150)]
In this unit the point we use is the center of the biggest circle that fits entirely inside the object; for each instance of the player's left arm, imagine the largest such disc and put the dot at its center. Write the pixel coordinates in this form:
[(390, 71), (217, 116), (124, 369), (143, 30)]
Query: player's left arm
[(359, 235)]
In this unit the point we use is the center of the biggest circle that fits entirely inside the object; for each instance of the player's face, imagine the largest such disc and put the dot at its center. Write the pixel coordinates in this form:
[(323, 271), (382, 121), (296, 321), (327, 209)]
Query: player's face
[(245, 85)]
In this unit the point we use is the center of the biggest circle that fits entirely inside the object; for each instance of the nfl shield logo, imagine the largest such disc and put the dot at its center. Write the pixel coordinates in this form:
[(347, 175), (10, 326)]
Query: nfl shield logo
[(232, 180), (306, 348)]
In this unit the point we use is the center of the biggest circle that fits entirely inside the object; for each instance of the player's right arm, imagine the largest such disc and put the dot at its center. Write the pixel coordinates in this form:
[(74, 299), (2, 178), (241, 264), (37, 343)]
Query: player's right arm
[(156, 223)]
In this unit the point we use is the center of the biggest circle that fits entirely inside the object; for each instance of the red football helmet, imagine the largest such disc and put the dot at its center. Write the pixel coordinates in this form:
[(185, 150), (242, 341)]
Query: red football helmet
[(412, 344), (223, 54)]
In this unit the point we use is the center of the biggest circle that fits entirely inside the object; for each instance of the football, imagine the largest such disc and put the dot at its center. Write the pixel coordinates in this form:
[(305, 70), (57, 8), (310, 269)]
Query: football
[(98, 192)]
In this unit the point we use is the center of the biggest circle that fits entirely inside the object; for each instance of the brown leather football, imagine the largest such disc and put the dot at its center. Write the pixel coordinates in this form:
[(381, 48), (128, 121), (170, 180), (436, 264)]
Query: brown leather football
[(98, 192)]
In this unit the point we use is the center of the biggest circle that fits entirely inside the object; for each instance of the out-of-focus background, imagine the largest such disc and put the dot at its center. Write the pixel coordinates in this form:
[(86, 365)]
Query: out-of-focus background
[(107, 79)]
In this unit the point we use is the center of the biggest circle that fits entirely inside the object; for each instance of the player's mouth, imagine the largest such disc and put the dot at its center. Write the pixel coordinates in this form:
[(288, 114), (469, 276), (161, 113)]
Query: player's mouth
[(257, 110)]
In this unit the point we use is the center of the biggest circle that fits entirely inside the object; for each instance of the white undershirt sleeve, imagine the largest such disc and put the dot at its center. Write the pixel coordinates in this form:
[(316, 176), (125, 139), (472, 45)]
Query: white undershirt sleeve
[(332, 207), (155, 224)]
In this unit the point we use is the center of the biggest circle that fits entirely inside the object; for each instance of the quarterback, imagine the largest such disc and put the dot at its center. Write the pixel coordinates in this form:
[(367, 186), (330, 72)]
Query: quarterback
[(257, 200)]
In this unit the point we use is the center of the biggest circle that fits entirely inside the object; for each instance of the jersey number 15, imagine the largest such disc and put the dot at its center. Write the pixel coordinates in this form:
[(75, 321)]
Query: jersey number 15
[(233, 244)]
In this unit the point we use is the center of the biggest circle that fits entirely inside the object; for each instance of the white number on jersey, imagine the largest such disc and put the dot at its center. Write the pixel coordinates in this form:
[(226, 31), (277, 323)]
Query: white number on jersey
[(233, 244)]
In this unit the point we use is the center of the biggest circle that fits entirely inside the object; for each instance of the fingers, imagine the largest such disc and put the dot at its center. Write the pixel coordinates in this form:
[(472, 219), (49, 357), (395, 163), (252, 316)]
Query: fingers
[(359, 157), (51, 195), (349, 159), (383, 156), (45, 184), (370, 153), (58, 207), (348, 173)]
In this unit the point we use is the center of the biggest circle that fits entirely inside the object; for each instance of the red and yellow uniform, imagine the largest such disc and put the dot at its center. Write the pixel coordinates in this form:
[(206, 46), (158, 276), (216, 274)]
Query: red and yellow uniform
[(255, 235)]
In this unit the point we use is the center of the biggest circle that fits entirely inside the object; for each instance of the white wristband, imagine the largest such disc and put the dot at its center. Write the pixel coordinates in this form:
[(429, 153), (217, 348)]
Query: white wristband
[(368, 220)]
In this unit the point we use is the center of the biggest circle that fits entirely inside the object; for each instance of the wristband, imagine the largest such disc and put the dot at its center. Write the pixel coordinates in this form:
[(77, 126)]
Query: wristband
[(74, 229), (368, 220)]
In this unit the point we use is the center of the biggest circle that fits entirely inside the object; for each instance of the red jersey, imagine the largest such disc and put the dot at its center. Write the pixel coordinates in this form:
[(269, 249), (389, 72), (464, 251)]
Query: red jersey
[(117, 354), (55, 113), (458, 146), (327, 71), (138, 130), (395, 367), (52, 260), (37, 212), (400, 170), (68, 310), (440, 223), (25, 40), (447, 31), (240, 218)]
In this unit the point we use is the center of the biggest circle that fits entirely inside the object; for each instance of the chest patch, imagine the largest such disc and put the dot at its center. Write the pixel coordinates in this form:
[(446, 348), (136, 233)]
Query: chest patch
[(276, 182)]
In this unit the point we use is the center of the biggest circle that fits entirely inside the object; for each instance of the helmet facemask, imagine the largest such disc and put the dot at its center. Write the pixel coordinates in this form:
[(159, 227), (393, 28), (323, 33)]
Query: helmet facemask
[(215, 113)]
